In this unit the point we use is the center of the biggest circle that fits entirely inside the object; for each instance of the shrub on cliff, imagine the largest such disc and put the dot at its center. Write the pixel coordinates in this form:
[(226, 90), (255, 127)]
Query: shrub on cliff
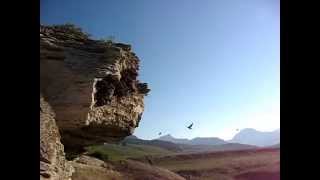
[(69, 27), (108, 40)]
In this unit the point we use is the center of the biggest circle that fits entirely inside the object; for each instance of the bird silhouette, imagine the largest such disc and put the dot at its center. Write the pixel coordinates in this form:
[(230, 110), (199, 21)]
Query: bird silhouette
[(190, 126), (159, 133)]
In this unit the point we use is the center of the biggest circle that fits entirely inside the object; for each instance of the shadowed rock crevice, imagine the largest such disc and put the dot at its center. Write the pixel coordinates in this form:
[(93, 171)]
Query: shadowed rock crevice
[(109, 86)]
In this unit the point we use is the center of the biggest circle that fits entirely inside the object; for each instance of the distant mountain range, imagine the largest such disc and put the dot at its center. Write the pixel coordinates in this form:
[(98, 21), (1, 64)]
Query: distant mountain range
[(246, 139), (195, 145), (258, 138), (247, 136), (157, 143), (194, 141)]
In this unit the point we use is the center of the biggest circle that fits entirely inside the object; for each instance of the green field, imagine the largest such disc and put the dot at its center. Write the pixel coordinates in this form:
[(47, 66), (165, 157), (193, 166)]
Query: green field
[(115, 152)]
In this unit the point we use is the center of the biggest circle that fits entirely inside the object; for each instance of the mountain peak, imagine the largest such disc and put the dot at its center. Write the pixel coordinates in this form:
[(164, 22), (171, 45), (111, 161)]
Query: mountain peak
[(248, 130), (259, 138), (166, 136)]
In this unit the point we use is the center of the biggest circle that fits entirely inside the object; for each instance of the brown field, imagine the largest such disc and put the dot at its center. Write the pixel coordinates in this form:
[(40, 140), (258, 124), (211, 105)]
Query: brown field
[(258, 164)]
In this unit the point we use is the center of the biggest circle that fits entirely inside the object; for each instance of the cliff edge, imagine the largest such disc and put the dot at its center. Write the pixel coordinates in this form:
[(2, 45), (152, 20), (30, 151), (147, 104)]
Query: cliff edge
[(89, 94)]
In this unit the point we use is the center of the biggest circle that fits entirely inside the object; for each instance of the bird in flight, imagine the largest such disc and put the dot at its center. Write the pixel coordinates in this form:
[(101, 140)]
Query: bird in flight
[(190, 126), (159, 133)]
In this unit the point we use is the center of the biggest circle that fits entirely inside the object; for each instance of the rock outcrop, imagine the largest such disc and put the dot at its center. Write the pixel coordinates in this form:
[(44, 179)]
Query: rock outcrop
[(89, 95), (91, 85)]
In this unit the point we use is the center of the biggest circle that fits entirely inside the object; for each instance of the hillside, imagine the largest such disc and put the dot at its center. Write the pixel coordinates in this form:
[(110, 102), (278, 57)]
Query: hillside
[(116, 152), (220, 147)]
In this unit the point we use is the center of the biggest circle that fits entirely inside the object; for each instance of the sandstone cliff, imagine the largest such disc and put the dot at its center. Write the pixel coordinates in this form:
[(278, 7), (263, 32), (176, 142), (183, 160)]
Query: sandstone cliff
[(89, 94), (91, 85)]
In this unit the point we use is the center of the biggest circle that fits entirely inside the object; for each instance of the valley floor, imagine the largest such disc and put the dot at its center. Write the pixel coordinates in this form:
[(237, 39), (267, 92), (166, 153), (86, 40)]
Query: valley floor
[(259, 164), (154, 163)]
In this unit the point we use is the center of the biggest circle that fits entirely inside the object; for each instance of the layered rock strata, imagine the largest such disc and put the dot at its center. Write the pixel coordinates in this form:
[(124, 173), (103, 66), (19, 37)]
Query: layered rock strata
[(89, 94), (91, 86)]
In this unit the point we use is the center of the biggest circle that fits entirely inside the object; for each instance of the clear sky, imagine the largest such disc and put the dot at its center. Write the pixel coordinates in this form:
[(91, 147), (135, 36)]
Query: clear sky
[(212, 62)]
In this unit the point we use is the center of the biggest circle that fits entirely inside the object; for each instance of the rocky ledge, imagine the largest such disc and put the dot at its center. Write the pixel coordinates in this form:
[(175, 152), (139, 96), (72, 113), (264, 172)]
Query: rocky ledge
[(89, 94)]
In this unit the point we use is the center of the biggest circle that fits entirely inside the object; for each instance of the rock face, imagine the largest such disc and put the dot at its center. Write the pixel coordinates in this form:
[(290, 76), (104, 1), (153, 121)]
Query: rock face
[(89, 94), (53, 164), (91, 85)]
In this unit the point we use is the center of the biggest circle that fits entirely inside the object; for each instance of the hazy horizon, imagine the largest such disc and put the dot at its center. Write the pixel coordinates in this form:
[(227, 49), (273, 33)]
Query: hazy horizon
[(204, 136), (213, 63)]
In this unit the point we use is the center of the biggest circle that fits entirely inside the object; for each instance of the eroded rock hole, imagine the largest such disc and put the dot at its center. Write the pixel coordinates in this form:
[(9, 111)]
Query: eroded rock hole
[(107, 87), (103, 91)]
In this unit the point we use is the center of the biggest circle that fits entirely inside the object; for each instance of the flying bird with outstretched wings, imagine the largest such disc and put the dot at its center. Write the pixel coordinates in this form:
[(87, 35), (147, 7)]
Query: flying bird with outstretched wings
[(190, 126)]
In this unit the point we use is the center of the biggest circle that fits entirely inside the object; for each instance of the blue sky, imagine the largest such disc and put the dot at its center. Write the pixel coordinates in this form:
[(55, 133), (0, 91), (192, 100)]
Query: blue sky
[(212, 62)]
